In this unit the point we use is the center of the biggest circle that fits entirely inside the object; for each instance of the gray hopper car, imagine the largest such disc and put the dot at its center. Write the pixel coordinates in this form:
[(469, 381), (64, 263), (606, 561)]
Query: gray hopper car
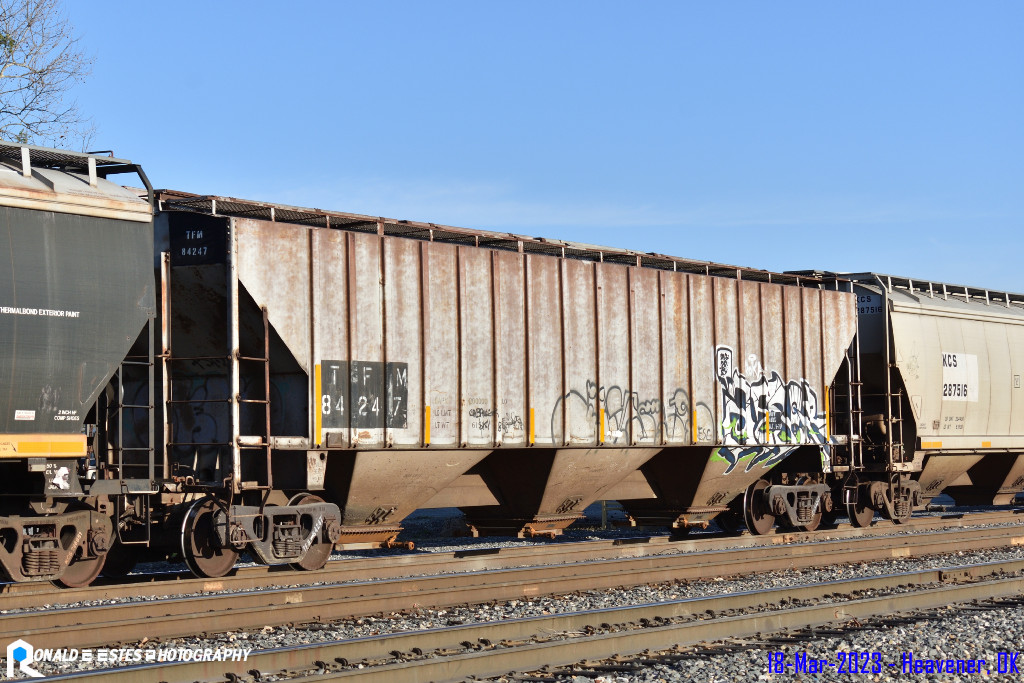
[(951, 408), (516, 379)]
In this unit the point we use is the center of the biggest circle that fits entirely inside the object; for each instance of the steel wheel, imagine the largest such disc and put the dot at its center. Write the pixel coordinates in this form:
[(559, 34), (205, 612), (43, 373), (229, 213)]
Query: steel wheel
[(898, 520), (81, 572), (756, 513), (860, 514), (199, 545), (319, 552), (730, 521), (120, 561), (828, 519)]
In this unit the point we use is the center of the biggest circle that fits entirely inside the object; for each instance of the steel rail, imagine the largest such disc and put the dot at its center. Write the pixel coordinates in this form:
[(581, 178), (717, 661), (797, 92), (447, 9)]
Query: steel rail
[(29, 595), (637, 630), (563, 652), (128, 622)]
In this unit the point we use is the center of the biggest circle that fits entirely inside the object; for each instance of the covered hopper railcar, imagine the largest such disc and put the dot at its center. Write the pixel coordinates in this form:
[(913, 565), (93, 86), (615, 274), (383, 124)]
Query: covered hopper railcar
[(943, 405), (202, 376), (76, 304), (519, 379)]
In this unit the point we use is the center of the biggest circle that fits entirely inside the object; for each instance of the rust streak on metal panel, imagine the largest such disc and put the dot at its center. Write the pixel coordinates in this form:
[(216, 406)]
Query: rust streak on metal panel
[(403, 347), (427, 310), (545, 349), (662, 389), (350, 298), (689, 353), (631, 335), (803, 332), (477, 347), (702, 348), (813, 370), (441, 332), (633, 376), (460, 353), (317, 406), (527, 398), (496, 437), (317, 437), (823, 360), (510, 348), (598, 348), (423, 345), (382, 291), (562, 265), (793, 314)]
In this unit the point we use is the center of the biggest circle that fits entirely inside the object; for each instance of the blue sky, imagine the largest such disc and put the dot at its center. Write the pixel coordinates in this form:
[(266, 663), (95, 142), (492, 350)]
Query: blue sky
[(789, 135)]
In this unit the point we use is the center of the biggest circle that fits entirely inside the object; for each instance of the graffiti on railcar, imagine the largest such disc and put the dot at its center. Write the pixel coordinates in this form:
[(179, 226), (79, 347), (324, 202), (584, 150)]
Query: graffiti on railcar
[(201, 417), (510, 423), (769, 410), (480, 416), (202, 411), (751, 457), (677, 416), (627, 412)]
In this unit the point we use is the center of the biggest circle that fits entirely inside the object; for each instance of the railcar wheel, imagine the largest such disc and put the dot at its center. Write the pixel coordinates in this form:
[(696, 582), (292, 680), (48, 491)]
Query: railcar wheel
[(318, 554), (860, 515), (731, 521), (828, 519), (120, 561), (898, 520), (81, 573), (756, 513), (199, 546)]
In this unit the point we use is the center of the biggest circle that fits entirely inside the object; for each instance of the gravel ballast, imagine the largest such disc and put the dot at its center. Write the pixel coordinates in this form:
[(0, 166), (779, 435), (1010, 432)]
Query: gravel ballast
[(972, 632), (285, 636)]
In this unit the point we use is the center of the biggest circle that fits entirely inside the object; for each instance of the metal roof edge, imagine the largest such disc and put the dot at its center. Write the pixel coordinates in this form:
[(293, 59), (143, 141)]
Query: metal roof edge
[(171, 200), (931, 288)]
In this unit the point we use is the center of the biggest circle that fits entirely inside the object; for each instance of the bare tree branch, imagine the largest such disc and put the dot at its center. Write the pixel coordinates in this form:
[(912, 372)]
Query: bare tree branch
[(40, 61)]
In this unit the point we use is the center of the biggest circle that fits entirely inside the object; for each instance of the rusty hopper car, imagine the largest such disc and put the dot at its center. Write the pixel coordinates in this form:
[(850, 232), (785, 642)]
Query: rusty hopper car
[(76, 300), (943, 402), (384, 366)]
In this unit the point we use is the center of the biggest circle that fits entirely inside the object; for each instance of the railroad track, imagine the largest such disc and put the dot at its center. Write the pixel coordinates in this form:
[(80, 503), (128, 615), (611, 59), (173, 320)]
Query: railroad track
[(495, 648), (29, 595), (100, 625)]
